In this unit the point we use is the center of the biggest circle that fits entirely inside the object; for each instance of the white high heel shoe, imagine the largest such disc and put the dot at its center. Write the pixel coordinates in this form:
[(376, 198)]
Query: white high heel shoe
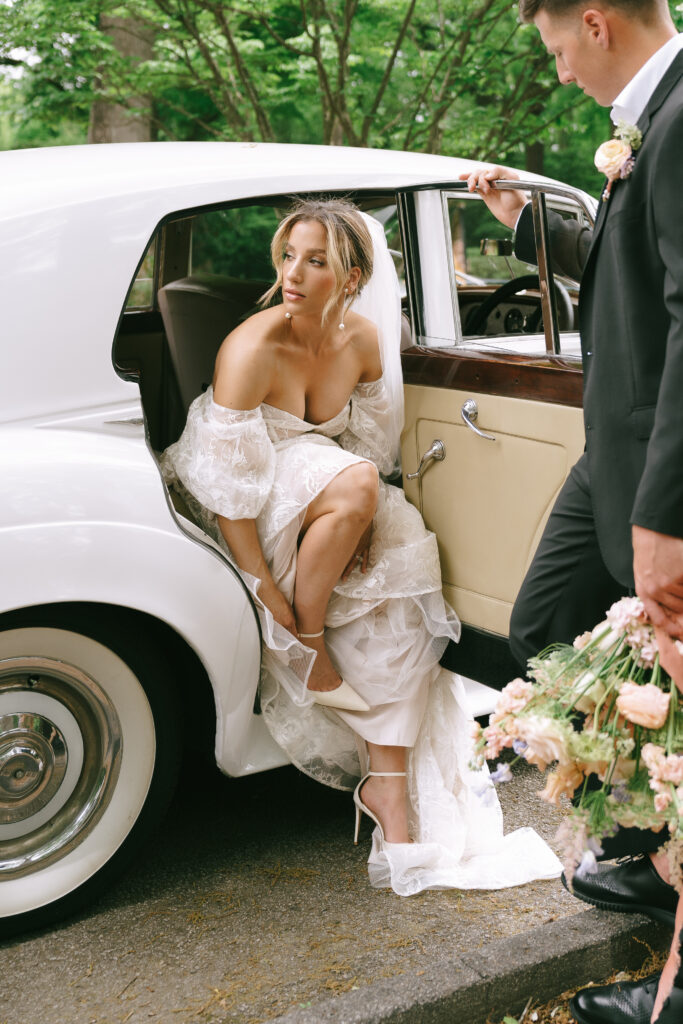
[(362, 809), (343, 696)]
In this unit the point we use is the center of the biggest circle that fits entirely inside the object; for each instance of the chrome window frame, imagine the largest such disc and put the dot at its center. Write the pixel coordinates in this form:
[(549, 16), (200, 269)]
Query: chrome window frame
[(538, 192)]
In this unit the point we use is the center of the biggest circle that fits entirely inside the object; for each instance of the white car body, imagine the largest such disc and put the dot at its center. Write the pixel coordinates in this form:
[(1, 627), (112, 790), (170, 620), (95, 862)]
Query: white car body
[(85, 515)]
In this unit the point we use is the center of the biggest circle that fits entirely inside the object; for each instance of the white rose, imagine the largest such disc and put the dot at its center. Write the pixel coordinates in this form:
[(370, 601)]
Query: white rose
[(611, 156)]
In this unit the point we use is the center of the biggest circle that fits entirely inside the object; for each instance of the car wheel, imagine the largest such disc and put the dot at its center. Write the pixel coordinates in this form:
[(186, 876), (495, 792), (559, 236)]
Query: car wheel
[(89, 755)]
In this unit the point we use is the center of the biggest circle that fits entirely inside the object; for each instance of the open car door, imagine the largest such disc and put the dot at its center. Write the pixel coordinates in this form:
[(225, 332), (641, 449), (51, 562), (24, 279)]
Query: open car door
[(493, 390)]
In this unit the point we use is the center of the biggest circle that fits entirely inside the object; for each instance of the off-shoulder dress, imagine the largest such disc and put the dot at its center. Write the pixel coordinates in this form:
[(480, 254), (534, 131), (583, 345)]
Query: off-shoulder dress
[(385, 631)]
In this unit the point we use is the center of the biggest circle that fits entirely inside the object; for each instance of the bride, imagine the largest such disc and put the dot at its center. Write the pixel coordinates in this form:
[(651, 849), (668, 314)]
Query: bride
[(283, 459)]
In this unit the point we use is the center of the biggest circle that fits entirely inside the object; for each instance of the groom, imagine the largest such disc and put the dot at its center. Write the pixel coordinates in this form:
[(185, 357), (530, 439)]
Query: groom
[(618, 522)]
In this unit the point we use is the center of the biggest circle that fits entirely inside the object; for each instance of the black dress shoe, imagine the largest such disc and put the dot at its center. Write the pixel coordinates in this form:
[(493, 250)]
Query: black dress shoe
[(632, 885), (624, 1002)]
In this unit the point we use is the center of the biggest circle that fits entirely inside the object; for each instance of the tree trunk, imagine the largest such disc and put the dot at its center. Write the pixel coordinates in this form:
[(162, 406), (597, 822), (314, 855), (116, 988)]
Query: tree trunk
[(533, 157), (116, 122)]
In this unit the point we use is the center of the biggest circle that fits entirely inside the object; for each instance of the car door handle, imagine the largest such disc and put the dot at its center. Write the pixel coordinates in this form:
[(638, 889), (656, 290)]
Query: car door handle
[(436, 451), (469, 413)]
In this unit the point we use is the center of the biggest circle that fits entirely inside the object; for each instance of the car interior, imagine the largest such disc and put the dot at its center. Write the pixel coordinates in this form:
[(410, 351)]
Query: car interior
[(205, 271)]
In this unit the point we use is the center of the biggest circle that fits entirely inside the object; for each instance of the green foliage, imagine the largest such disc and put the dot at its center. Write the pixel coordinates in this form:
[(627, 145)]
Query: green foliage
[(462, 77), (235, 242)]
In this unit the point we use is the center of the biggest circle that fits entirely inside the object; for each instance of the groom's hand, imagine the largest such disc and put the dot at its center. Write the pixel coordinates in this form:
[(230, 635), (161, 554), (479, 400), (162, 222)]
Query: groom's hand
[(506, 205), (658, 571)]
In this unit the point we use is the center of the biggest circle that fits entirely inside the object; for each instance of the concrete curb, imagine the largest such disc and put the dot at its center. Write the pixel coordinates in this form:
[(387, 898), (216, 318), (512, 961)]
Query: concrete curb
[(485, 984)]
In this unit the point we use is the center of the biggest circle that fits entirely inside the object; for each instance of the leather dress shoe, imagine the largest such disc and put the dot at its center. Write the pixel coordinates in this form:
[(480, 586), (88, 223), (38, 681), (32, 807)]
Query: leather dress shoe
[(632, 885), (623, 1002)]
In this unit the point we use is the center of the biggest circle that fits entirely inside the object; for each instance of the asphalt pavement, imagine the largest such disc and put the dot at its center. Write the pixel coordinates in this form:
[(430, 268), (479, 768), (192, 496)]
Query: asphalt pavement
[(253, 905)]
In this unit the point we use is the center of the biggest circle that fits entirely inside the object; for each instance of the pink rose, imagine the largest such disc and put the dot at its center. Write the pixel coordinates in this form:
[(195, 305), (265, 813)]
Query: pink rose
[(496, 740), (673, 769), (662, 801), (654, 757), (611, 156), (644, 705), (514, 696)]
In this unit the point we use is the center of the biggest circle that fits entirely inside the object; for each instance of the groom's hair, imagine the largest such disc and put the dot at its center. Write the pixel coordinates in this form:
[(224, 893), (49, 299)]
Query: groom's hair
[(644, 10)]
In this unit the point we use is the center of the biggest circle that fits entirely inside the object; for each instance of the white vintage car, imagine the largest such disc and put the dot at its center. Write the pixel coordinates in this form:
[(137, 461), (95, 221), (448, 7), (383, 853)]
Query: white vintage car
[(125, 633)]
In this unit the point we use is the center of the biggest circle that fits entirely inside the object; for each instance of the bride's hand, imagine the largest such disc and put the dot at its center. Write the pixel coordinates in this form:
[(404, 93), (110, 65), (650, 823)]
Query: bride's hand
[(278, 605), (361, 554)]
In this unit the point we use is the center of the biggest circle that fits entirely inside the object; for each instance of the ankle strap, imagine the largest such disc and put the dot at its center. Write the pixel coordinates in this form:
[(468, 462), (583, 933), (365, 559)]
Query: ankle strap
[(389, 775), (311, 636)]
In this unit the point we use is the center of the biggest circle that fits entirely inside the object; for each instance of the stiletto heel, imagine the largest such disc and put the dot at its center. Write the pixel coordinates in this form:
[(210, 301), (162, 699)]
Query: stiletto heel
[(362, 809), (343, 696)]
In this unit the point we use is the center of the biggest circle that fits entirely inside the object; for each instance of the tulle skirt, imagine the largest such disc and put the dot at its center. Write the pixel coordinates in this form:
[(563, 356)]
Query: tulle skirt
[(385, 631)]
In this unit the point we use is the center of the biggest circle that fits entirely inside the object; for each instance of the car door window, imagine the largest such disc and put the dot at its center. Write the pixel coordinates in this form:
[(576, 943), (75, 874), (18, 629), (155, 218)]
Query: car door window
[(497, 297), (141, 294)]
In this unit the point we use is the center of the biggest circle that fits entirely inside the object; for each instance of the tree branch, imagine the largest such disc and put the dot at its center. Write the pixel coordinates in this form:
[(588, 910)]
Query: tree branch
[(245, 77), (368, 119)]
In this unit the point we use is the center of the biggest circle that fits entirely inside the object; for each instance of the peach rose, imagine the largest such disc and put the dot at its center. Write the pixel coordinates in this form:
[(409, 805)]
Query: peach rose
[(644, 705), (611, 156), (565, 781), (546, 741)]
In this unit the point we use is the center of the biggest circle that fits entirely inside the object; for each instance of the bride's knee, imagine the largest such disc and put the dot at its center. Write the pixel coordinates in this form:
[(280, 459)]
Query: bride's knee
[(361, 489)]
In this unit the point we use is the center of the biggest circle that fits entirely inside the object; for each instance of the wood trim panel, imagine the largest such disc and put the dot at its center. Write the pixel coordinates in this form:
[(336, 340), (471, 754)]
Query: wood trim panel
[(541, 379)]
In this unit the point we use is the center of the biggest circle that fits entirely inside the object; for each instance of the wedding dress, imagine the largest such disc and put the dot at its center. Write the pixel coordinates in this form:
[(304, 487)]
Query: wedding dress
[(385, 630)]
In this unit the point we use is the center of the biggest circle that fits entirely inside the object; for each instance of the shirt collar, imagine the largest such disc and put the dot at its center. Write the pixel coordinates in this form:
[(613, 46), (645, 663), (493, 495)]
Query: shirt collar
[(634, 97)]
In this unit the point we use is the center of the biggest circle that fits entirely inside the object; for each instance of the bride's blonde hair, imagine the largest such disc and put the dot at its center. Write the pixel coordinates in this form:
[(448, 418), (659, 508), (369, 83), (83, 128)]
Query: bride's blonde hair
[(348, 244)]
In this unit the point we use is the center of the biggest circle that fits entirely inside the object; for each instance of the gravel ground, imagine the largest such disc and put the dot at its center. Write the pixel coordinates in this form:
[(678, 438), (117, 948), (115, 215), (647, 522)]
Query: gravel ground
[(253, 901)]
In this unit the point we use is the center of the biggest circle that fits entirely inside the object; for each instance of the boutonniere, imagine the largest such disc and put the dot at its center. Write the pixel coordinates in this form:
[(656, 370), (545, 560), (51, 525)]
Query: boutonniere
[(615, 158)]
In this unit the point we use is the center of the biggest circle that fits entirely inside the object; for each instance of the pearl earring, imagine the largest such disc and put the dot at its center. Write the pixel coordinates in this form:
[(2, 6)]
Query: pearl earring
[(342, 325)]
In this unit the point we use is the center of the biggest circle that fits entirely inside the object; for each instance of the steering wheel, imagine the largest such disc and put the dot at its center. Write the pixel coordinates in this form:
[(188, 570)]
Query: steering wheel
[(565, 311)]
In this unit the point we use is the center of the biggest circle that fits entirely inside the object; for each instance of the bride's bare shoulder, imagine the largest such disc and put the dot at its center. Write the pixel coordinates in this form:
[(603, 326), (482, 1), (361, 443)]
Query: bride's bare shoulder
[(366, 342), (244, 362)]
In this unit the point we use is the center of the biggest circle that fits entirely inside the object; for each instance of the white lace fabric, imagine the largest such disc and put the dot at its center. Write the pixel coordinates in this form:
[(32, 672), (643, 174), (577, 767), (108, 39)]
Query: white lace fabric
[(385, 632)]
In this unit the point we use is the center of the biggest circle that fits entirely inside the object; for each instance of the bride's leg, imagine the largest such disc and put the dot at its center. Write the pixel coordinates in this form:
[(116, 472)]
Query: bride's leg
[(388, 797), (334, 523)]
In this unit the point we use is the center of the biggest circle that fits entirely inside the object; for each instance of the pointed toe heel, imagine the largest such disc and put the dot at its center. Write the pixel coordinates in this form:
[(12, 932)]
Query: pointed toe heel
[(343, 697)]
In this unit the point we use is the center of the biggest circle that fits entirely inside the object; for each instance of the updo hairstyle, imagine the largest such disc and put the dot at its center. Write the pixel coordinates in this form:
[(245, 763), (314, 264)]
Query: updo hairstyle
[(348, 244)]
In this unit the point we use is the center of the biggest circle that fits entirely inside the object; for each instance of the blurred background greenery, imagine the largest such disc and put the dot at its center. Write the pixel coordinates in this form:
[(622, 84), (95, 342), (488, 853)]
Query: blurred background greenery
[(458, 77)]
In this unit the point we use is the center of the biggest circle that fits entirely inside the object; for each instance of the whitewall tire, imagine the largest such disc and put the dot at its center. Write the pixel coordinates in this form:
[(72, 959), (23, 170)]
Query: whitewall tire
[(80, 766)]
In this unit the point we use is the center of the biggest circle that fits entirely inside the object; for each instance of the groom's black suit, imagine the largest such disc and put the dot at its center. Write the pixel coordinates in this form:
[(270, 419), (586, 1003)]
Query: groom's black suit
[(631, 317)]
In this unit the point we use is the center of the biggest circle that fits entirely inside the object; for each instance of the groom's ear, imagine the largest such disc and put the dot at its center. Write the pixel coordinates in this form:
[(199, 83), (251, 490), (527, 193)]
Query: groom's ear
[(595, 26)]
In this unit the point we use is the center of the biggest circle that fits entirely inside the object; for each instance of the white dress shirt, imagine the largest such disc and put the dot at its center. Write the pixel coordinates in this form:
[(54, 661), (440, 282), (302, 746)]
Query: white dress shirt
[(634, 97)]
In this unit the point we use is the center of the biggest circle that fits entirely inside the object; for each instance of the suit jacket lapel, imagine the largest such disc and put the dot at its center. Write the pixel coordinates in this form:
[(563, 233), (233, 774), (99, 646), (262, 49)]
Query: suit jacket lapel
[(671, 76), (669, 80)]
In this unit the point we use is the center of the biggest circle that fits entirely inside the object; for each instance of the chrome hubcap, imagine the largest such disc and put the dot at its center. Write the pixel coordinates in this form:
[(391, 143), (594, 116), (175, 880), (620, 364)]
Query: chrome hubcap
[(33, 761), (60, 754)]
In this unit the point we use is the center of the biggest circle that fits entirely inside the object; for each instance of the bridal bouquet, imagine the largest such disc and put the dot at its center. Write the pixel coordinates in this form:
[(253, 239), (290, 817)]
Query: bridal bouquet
[(607, 717)]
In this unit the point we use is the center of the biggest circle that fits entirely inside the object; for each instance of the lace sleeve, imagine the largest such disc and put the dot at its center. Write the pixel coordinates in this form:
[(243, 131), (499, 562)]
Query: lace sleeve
[(368, 430), (224, 458)]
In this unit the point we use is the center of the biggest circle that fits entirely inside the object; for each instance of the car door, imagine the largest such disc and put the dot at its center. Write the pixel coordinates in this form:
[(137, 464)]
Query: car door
[(493, 404)]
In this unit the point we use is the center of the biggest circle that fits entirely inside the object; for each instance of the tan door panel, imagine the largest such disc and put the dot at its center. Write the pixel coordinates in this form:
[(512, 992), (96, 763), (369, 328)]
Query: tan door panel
[(487, 501)]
